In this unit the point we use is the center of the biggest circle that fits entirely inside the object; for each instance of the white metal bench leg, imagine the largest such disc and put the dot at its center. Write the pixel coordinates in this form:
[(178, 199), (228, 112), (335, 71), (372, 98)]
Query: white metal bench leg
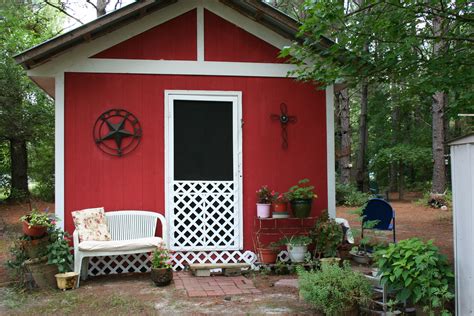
[(85, 268), (77, 266)]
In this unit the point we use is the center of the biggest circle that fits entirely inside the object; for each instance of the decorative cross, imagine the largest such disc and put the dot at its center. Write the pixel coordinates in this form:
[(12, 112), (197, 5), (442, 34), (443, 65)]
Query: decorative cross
[(284, 119)]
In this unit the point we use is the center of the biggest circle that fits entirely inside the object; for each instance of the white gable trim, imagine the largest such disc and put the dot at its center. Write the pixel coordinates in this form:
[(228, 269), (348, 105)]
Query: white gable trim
[(80, 54)]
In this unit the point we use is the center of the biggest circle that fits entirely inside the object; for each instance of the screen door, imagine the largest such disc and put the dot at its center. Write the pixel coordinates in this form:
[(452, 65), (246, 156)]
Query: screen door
[(203, 150)]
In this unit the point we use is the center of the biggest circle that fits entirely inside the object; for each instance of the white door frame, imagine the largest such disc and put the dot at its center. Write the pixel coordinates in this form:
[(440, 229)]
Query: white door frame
[(201, 95)]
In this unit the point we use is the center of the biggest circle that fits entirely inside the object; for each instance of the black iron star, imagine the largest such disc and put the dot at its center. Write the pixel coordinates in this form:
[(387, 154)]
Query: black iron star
[(117, 132)]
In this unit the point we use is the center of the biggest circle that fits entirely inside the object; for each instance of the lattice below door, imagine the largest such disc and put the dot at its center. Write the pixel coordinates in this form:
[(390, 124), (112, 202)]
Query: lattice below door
[(204, 216)]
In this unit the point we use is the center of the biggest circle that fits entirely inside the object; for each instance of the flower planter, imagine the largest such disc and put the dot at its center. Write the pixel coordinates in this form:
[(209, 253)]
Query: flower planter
[(67, 280), (301, 207), (362, 258), (263, 210), (43, 273), (161, 276), (280, 207), (34, 231), (267, 256), (297, 253)]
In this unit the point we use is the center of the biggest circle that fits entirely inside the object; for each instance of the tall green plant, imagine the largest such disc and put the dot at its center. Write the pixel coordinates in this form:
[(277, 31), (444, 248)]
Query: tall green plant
[(418, 273)]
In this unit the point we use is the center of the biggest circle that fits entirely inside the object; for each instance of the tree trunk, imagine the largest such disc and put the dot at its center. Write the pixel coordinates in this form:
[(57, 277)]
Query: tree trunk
[(345, 124), (19, 168), (100, 8), (395, 135), (438, 135), (361, 166), (438, 127)]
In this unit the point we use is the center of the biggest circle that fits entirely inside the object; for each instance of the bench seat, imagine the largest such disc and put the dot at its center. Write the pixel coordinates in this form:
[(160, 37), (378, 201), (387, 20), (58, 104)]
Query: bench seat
[(121, 245)]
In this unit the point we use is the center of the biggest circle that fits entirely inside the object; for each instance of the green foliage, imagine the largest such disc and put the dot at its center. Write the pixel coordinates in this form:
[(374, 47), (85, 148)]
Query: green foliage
[(59, 251), (161, 258), (334, 289), (418, 272), (264, 196), (326, 235), (348, 195), (38, 218), (301, 191), (15, 263), (294, 241)]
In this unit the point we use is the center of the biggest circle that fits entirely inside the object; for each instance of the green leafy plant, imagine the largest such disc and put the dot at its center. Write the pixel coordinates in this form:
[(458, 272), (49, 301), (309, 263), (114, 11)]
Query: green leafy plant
[(59, 251), (37, 218), (326, 235), (302, 191), (418, 272), (264, 196), (279, 198), (15, 263), (348, 195), (334, 290), (161, 258), (294, 241)]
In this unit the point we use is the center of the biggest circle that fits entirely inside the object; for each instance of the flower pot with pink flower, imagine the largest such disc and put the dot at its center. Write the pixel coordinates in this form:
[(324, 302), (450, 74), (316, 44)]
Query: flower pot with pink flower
[(161, 266), (279, 204), (264, 199)]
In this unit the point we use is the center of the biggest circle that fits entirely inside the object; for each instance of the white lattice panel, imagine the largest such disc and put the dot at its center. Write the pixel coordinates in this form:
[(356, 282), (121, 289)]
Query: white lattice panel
[(141, 262), (204, 216)]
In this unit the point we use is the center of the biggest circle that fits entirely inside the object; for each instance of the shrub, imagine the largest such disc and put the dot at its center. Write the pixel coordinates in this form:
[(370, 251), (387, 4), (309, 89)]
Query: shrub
[(327, 236), (348, 195), (334, 289), (418, 272)]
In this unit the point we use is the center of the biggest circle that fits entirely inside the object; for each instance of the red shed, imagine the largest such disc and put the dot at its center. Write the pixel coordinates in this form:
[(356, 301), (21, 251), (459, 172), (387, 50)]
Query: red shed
[(184, 92)]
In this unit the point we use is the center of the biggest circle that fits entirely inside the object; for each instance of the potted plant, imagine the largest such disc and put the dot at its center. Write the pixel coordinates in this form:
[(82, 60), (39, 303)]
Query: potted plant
[(327, 236), (264, 199), (59, 254), (297, 246), (37, 223), (268, 254), (418, 273), (161, 266), (279, 205), (334, 290), (301, 197)]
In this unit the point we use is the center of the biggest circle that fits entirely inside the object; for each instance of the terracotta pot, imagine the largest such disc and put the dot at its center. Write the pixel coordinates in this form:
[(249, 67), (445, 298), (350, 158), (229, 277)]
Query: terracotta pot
[(161, 276), (263, 210), (301, 208), (67, 280), (34, 231), (267, 256), (42, 272), (280, 207)]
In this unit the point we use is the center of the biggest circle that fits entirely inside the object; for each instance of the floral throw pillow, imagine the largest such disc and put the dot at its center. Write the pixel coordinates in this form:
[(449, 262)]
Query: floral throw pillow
[(91, 224)]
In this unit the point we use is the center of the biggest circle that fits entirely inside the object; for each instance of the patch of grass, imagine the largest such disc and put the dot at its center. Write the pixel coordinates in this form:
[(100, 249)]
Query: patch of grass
[(446, 217), (14, 298)]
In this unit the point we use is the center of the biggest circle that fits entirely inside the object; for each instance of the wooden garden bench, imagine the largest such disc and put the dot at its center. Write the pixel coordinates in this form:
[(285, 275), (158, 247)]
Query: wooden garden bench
[(229, 269), (131, 232)]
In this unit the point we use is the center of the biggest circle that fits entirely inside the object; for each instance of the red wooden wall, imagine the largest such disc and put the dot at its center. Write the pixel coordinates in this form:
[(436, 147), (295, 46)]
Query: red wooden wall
[(136, 181)]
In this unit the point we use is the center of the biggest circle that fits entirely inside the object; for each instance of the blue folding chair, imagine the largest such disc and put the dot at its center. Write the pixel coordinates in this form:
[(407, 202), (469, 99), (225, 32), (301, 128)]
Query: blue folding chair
[(381, 211)]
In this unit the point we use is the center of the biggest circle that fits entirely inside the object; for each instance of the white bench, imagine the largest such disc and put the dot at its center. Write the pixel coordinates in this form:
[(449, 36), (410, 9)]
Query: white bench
[(131, 231)]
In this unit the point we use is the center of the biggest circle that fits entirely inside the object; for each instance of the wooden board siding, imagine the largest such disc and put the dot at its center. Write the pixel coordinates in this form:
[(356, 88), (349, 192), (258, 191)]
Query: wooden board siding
[(136, 181), (224, 41), (172, 40)]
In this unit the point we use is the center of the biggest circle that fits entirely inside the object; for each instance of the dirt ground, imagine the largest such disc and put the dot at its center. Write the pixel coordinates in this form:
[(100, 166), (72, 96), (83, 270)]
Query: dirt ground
[(129, 294)]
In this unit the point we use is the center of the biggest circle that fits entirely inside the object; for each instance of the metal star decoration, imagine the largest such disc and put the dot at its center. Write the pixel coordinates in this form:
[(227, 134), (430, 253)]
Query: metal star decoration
[(284, 119), (115, 127)]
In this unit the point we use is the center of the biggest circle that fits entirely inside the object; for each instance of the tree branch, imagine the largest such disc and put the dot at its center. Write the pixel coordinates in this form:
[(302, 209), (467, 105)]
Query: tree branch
[(59, 8)]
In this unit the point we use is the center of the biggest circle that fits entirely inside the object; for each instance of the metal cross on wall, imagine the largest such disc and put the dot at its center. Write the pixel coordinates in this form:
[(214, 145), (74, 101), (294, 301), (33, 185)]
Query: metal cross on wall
[(284, 119)]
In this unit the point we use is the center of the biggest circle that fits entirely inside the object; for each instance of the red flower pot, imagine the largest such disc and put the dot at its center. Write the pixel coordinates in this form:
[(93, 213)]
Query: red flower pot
[(34, 231), (267, 256), (280, 207)]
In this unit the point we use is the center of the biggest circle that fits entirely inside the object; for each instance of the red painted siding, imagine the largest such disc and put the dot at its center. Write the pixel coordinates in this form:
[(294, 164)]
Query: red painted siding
[(136, 181), (172, 40), (224, 41)]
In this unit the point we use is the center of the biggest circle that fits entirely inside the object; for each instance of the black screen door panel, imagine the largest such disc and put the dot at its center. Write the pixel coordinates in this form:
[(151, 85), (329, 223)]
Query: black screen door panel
[(203, 141)]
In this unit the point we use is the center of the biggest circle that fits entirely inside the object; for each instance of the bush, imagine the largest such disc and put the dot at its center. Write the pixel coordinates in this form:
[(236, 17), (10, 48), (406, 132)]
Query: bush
[(334, 289), (418, 272), (348, 195)]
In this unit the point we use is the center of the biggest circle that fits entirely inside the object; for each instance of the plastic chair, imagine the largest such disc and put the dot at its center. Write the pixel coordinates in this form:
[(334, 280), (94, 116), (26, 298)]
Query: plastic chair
[(381, 211)]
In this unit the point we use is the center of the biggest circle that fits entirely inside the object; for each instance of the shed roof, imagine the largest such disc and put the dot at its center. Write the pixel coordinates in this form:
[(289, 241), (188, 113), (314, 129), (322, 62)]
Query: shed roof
[(466, 139), (254, 9)]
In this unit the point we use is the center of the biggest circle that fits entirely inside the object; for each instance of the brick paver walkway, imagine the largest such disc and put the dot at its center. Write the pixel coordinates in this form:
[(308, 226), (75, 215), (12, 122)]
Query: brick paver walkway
[(213, 285)]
